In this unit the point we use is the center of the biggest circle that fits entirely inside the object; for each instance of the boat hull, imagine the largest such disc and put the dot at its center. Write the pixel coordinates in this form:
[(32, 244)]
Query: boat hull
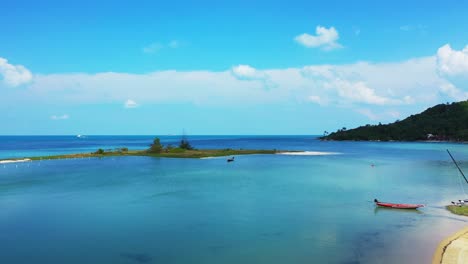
[(399, 206)]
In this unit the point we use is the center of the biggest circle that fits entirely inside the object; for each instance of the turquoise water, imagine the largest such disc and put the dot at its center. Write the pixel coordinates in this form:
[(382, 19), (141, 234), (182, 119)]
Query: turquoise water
[(258, 209)]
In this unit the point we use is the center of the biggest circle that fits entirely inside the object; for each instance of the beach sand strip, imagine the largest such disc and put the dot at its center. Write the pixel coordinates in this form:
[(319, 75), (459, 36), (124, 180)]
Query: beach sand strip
[(453, 249), (13, 161)]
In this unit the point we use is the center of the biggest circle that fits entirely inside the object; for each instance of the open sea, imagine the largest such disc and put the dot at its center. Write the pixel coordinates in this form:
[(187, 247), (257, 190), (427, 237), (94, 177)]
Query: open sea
[(258, 209)]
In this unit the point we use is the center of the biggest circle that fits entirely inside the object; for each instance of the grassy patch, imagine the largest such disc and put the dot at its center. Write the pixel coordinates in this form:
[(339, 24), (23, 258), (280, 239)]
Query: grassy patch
[(459, 210), (202, 153)]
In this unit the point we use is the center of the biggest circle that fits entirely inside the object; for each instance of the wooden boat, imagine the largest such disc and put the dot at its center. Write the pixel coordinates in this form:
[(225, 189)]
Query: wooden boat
[(398, 206)]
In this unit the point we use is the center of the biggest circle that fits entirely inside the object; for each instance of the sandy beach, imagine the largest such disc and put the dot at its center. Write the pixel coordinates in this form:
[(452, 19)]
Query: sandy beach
[(453, 249)]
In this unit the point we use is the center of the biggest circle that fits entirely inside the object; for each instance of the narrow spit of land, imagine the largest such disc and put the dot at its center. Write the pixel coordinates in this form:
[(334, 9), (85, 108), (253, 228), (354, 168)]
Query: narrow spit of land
[(173, 153)]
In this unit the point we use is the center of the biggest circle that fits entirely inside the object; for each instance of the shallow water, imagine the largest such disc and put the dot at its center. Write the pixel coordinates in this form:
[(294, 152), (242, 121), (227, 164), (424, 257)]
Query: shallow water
[(258, 209)]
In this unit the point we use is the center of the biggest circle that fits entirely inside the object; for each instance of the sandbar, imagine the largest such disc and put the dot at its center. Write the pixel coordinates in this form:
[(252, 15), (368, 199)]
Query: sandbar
[(14, 160)]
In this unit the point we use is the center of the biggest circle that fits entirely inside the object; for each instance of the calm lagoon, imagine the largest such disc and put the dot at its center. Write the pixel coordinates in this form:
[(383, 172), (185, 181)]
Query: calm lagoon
[(258, 209)]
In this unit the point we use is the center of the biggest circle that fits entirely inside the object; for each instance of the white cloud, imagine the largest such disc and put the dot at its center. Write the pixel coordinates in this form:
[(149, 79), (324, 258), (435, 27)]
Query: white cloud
[(130, 104), (359, 92), (324, 38), (452, 62), (246, 72), (60, 117), (409, 82), (14, 75)]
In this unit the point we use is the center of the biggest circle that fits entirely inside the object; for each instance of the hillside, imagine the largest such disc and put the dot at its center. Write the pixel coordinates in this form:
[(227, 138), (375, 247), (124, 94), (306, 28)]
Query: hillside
[(441, 122)]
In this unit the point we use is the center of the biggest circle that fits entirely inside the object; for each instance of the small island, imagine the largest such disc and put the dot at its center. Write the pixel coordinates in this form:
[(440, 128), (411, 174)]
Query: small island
[(184, 150), (443, 122)]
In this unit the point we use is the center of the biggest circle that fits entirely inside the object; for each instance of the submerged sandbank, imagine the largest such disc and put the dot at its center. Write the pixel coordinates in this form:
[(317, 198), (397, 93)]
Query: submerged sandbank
[(14, 160)]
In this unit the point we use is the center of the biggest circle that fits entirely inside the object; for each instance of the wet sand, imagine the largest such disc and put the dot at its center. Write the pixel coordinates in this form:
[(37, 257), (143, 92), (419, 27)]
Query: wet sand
[(453, 249)]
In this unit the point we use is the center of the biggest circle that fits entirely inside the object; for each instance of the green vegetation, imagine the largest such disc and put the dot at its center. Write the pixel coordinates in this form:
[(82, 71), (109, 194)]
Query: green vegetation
[(459, 210), (202, 153), (99, 151), (443, 122), (156, 147), (185, 144)]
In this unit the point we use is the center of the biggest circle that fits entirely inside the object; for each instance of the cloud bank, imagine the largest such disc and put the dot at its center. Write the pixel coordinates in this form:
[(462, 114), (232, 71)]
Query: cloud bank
[(362, 87)]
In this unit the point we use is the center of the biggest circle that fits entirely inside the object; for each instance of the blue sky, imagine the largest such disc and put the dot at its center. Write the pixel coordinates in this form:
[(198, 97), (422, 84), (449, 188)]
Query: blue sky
[(214, 67)]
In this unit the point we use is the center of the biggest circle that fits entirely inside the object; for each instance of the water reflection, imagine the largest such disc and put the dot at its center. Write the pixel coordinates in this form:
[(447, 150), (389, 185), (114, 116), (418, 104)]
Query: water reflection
[(379, 209)]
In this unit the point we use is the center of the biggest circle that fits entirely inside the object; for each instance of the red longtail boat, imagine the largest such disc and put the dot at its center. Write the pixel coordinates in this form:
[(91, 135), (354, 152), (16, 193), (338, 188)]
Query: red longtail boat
[(398, 206)]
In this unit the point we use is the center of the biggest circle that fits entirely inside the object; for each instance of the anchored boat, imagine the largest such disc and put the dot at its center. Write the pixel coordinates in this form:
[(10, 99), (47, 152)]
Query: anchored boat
[(398, 206)]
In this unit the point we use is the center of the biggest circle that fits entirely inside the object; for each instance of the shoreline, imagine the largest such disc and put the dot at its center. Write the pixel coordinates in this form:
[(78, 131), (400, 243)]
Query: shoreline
[(14, 160), (399, 141), (453, 249)]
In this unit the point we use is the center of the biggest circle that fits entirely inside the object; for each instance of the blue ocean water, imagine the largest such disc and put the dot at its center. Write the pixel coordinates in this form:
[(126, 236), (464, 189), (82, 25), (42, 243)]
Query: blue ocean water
[(258, 209)]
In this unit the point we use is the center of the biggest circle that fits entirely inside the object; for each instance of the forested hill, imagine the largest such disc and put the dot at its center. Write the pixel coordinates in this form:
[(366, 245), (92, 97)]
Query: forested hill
[(441, 122)]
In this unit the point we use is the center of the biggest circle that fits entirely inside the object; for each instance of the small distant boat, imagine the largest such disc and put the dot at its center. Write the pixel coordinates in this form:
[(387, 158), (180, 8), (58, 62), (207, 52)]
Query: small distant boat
[(230, 160), (398, 206)]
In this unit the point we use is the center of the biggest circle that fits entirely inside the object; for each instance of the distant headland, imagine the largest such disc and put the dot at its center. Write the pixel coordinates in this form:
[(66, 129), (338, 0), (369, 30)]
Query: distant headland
[(443, 122)]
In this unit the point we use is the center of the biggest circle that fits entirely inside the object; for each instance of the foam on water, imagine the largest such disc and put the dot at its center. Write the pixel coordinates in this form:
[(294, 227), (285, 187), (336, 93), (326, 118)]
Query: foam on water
[(309, 153)]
